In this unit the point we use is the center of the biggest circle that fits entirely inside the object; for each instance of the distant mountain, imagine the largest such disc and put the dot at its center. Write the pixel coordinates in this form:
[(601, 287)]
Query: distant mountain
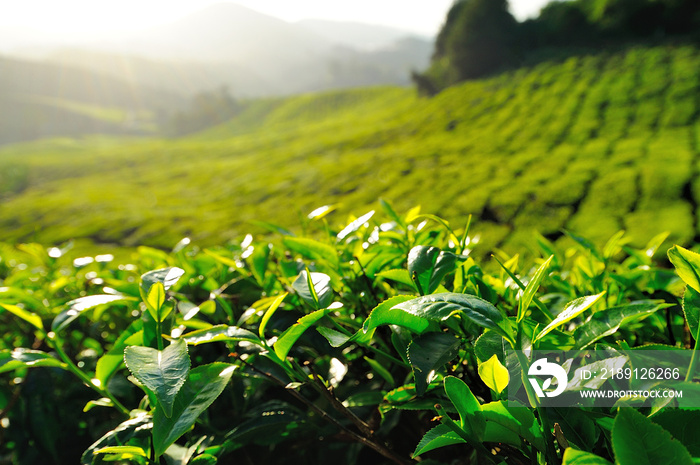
[(254, 54), (130, 84), (40, 100), (355, 35), (182, 77), (224, 32)]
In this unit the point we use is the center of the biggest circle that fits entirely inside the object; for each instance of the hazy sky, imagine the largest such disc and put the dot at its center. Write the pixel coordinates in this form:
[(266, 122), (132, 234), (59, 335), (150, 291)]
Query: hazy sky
[(80, 18)]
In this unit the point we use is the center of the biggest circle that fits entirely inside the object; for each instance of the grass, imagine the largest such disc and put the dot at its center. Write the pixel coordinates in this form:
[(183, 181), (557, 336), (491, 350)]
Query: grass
[(594, 144)]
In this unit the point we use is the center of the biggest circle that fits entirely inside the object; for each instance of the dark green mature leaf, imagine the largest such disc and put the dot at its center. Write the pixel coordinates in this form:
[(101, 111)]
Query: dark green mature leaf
[(380, 370), (637, 440), (488, 344), (290, 335), (312, 249), (440, 436), (29, 317), (429, 352), (472, 419), (386, 314), (78, 306), (683, 425), (334, 338), (607, 322), (577, 457), (518, 419), (439, 307), (266, 424), (27, 358), (427, 266), (691, 308), (578, 428), (320, 294), (687, 264), (163, 372), (220, 333), (203, 386), (498, 433), (571, 311)]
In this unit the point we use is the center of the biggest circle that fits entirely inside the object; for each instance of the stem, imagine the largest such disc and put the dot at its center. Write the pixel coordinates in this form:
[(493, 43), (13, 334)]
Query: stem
[(391, 455), (84, 377), (552, 457), (449, 422), (337, 405), (159, 333)]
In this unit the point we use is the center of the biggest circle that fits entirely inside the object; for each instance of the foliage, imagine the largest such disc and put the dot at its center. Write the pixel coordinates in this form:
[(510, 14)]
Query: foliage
[(342, 346)]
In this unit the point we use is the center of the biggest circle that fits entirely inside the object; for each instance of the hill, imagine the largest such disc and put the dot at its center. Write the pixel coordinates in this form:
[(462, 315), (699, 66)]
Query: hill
[(594, 144), (41, 100), (252, 53)]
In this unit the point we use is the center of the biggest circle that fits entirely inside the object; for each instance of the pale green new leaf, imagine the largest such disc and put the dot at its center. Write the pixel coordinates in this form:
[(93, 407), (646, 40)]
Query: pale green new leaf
[(220, 333), (312, 249), (29, 317), (531, 289), (494, 374), (578, 457), (78, 306), (122, 450), (571, 311), (314, 288), (687, 264), (268, 314)]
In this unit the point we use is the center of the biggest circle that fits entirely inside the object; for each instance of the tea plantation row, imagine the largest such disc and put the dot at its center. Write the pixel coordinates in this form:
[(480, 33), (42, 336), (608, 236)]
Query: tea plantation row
[(595, 144)]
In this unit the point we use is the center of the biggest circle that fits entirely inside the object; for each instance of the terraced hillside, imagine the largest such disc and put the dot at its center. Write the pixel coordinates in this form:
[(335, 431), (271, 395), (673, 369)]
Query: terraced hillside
[(594, 144)]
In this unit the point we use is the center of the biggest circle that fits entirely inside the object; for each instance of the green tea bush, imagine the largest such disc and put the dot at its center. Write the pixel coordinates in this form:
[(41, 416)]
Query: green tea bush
[(377, 341)]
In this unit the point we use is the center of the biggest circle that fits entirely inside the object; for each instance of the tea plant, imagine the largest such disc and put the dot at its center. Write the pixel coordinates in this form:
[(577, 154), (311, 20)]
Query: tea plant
[(382, 341)]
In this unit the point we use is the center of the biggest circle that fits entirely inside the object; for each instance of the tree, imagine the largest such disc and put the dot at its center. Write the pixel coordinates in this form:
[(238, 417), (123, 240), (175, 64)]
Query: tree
[(483, 38), (478, 37)]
